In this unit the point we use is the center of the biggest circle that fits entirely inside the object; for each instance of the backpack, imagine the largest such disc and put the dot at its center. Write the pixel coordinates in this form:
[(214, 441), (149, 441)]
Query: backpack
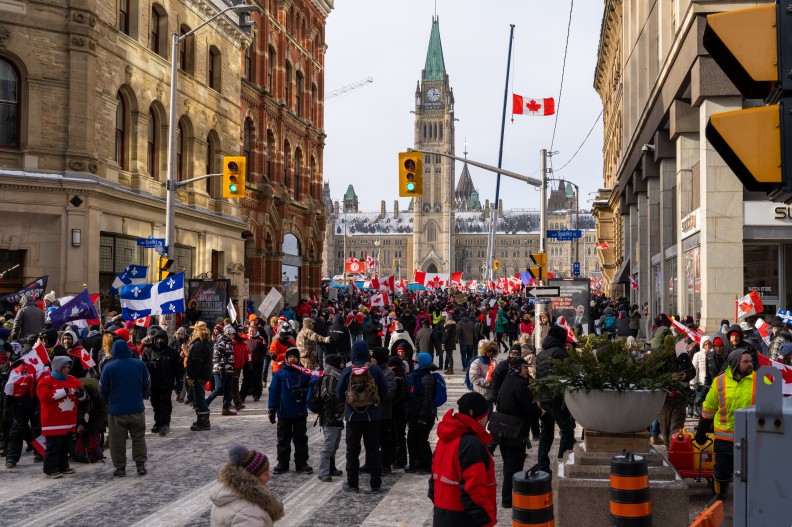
[(315, 402), (440, 392), (610, 323), (88, 447), (362, 390)]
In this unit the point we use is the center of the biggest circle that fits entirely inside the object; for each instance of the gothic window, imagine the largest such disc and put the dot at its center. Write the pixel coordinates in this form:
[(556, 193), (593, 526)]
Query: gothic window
[(120, 132), (286, 163), (298, 95), (9, 105), (270, 155), (288, 81), (249, 60), (297, 175), (441, 131), (271, 61), (247, 141), (431, 232), (314, 103)]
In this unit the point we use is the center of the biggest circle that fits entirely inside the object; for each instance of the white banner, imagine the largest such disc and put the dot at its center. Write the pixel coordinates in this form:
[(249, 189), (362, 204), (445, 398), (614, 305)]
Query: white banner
[(269, 302)]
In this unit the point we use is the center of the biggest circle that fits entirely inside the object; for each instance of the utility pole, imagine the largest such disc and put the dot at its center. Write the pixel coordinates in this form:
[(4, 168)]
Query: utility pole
[(543, 200)]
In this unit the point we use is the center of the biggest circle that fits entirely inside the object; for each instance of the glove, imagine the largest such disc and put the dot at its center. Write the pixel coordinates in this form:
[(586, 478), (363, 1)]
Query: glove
[(701, 436), (272, 415), (190, 383), (59, 394), (79, 393)]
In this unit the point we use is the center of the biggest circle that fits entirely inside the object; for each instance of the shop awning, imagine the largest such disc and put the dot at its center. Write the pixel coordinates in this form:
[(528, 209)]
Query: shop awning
[(623, 276)]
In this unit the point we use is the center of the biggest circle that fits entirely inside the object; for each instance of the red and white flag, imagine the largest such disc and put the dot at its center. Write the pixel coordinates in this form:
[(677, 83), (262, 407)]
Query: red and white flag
[(40, 444), (143, 322), (388, 284), (353, 288), (750, 304), (683, 329), (633, 283), (84, 355), (401, 286), (456, 279), (21, 381), (764, 330), (380, 299), (529, 106), (375, 284), (786, 372), (601, 245), (420, 277), (37, 358), (561, 322)]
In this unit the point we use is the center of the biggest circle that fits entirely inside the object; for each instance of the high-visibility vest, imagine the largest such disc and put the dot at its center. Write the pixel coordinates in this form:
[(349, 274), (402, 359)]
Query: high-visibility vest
[(725, 396)]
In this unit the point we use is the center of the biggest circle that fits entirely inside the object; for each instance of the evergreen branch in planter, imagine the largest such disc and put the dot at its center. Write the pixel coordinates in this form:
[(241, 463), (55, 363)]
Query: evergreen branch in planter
[(603, 364)]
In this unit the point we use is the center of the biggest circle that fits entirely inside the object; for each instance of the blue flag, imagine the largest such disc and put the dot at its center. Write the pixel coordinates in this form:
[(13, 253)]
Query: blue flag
[(132, 275), (160, 298), (78, 308)]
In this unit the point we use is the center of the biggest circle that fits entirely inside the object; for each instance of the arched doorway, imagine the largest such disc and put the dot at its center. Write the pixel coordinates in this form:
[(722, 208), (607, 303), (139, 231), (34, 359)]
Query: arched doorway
[(290, 272), (432, 268)]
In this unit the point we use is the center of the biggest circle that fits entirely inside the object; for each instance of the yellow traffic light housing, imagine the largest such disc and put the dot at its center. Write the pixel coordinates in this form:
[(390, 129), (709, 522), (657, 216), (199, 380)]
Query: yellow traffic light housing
[(163, 267), (234, 176), (410, 174), (753, 47), (538, 270), (496, 265)]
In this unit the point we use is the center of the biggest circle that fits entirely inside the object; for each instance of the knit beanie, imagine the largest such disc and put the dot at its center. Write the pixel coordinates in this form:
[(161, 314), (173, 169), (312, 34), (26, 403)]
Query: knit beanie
[(251, 460), (380, 355), (558, 333), (424, 359), (334, 360), (473, 404)]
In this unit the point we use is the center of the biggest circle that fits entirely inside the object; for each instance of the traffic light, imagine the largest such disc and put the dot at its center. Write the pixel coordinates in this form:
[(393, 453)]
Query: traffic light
[(754, 49), (410, 174), (538, 270), (234, 176), (165, 264), (496, 265)]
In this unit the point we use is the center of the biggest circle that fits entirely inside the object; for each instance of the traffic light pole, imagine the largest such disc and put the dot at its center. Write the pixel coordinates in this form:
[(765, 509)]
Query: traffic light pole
[(171, 184)]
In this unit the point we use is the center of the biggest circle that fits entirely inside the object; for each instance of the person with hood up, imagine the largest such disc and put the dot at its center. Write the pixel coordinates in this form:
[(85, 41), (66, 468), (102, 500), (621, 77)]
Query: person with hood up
[(623, 324), (340, 338), (481, 368), (737, 341), (423, 339), (421, 414), (123, 384), (93, 343), (240, 496), (463, 487), (379, 356), (29, 320), (553, 410), (661, 332), (399, 414), (780, 336), (253, 372), (288, 395), (307, 339), (331, 418), (732, 390), (715, 361), (280, 344), (70, 347), (362, 386), (165, 367), (400, 336), (59, 394), (180, 343), (700, 365)]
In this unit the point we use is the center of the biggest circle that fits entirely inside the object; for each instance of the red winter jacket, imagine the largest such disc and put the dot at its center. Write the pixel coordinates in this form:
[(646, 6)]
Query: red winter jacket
[(58, 416), (463, 486), (278, 349), (240, 353)]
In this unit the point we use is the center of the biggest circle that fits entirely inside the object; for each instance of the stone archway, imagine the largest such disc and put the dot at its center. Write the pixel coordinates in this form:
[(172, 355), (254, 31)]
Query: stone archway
[(431, 268)]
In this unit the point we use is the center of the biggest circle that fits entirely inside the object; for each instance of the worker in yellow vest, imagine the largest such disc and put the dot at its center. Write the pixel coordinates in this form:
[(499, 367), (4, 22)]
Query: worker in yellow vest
[(731, 390)]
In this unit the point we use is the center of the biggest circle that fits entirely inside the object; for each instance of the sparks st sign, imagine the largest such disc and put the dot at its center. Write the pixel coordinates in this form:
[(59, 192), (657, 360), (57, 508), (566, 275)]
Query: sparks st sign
[(564, 235), (151, 243)]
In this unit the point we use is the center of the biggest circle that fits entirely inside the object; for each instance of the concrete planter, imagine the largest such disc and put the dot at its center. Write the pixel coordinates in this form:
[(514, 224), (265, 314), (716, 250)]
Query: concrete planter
[(614, 412)]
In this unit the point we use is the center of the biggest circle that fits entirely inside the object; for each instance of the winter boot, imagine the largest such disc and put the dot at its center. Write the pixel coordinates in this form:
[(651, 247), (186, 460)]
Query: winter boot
[(202, 424)]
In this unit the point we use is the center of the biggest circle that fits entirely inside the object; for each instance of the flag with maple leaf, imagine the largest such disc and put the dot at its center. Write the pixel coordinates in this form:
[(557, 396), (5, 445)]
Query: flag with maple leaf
[(601, 246), (786, 372), (532, 106), (420, 277), (750, 304), (562, 322), (633, 283)]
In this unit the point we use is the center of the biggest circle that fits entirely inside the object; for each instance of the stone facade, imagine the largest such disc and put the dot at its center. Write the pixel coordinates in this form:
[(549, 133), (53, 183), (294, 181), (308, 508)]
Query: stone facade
[(86, 173), (283, 135), (681, 223)]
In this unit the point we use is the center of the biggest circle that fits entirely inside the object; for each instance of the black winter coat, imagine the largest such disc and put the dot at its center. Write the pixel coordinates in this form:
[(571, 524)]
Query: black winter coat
[(552, 349), (164, 366), (340, 341), (515, 398), (199, 361), (420, 404)]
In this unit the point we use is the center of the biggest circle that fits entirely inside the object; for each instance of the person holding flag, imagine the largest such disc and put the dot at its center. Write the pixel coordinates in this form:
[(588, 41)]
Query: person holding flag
[(20, 404), (69, 347), (59, 394), (165, 366)]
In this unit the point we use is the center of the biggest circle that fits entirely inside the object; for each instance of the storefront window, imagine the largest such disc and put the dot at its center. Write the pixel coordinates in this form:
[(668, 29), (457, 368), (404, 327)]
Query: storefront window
[(115, 254), (692, 249), (671, 265), (760, 264)]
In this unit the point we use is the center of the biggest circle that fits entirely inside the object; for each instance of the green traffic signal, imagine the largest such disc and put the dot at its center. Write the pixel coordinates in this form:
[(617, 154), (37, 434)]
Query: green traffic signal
[(232, 187), (410, 187)]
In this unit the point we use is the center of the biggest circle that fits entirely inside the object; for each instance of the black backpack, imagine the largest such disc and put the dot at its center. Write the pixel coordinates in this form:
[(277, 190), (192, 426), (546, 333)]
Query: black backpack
[(315, 401)]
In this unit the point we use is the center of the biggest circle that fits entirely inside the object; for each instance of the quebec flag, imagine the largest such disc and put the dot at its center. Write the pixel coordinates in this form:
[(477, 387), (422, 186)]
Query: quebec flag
[(132, 275), (160, 298)]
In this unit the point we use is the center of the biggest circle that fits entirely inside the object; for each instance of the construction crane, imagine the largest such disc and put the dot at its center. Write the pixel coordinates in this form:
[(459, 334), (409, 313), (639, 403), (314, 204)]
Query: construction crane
[(349, 87)]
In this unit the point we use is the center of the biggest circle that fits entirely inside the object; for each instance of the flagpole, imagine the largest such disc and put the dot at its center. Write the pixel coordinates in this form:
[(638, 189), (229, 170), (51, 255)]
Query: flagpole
[(491, 255)]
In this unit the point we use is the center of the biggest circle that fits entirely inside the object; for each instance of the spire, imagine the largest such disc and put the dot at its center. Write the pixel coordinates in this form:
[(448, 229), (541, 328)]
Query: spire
[(464, 189), (434, 70)]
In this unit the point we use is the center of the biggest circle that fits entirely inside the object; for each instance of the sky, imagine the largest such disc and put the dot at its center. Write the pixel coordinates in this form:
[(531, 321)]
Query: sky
[(368, 126)]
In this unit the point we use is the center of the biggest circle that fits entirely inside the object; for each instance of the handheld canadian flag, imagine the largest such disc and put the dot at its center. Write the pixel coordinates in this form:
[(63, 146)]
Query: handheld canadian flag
[(40, 444), (353, 288), (529, 106), (380, 299), (633, 283), (143, 322), (602, 245), (375, 283), (561, 322), (37, 358), (681, 328), (750, 304), (764, 330), (420, 277), (388, 284), (401, 286), (84, 355)]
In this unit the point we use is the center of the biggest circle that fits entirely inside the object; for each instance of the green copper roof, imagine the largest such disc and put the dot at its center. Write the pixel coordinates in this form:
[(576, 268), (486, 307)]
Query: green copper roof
[(350, 193), (473, 202), (435, 66), (570, 191)]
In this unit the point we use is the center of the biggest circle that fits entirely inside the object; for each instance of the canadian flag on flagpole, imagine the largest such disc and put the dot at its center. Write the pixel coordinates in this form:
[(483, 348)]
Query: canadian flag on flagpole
[(529, 106), (401, 286), (633, 283), (85, 357), (750, 304), (353, 287), (602, 245), (387, 284), (420, 277), (375, 284), (143, 322), (764, 330), (456, 279)]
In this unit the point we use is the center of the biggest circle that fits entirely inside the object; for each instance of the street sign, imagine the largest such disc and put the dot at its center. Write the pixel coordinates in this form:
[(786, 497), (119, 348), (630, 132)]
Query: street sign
[(576, 268), (151, 243), (546, 292), (565, 235), (246, 288)]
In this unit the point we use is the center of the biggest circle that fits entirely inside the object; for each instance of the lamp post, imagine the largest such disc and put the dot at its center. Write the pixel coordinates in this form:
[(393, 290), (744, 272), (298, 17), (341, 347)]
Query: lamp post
[(170, 184)]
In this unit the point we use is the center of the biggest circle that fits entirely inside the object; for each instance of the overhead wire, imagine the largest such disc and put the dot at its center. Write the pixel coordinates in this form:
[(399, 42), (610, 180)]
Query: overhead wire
[(563, 71), (621, 75)]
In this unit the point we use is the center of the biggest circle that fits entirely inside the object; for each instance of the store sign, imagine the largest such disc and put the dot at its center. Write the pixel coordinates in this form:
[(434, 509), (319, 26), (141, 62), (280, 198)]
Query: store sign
[(691, 224), (765, 213)]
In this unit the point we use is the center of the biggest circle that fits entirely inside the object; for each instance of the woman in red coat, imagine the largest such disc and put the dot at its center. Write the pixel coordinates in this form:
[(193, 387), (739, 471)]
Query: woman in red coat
[(59, 394)]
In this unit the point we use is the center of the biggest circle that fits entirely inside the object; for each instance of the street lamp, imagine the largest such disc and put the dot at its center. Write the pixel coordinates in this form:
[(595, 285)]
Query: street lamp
[(170, 184)]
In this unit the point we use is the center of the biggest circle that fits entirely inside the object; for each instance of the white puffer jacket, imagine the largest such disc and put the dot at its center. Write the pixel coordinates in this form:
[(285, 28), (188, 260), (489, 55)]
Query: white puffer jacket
[(240, 500)]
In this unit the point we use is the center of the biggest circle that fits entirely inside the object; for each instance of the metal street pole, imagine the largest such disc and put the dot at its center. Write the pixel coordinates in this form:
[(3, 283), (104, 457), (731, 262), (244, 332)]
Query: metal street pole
[(543, 200), (170, 183)]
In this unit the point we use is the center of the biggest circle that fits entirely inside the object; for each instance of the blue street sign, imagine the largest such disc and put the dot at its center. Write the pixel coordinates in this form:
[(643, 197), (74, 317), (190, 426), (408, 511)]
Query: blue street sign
[(576, 268), (151, 243), (565, 235)]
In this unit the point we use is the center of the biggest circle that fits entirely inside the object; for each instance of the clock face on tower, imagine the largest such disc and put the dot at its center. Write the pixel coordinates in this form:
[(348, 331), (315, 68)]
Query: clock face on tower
[(433, 94)]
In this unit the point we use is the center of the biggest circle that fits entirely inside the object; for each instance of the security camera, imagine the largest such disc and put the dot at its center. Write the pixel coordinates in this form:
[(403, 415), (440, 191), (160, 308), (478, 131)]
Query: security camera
[(647, 148)]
